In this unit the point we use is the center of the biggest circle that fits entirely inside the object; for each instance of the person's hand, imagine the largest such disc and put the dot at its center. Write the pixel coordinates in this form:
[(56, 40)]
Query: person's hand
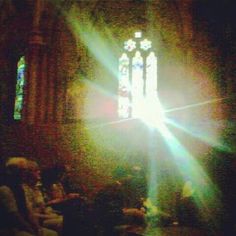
[(40, 232), (72, 195), (54, 201), (133, 212)]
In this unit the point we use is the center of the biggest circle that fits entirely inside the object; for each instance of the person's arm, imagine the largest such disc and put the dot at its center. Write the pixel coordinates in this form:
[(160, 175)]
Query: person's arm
[(7, 200), (19, 222)]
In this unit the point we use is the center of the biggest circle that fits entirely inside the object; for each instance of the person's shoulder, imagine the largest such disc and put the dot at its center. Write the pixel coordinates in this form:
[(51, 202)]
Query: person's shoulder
[(113, 187), (4, 188), (7, 199), (5, 192)]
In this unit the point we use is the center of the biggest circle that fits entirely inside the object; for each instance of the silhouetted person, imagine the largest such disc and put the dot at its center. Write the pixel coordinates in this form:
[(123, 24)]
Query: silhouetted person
[(118, 203), (73, 206), (16, 217)]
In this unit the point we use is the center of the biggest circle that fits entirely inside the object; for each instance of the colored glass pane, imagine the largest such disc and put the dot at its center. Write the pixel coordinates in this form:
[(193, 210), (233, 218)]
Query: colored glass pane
[(145, 44), (124, 87), (137, 83), (151, 75), (138, 34), (20, 81), (130, 45)]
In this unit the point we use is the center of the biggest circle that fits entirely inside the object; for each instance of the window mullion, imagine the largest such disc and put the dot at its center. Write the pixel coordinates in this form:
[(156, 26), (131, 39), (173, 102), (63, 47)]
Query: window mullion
[(144, 74), (131, 57)]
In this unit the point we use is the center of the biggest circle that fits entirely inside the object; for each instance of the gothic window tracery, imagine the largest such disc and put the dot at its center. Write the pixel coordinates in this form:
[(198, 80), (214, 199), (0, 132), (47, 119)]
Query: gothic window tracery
[(137, 76)]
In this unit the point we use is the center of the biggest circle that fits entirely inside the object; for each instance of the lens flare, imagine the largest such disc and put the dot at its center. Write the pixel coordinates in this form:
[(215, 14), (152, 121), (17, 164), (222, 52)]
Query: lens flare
[(151, 112), (103, 47)]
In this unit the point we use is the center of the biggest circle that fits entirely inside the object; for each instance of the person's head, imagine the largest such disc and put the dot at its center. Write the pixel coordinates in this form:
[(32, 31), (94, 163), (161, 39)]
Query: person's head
[(16, 168), (52, 175), (121, 174), (33, 174), (188, 189), (137, 171)]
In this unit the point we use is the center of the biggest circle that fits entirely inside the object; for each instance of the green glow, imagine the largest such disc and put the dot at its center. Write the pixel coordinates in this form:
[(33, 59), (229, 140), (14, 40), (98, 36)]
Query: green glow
[(211, 140), (152, 154), (101, 47), (99, 88), (206, 192)]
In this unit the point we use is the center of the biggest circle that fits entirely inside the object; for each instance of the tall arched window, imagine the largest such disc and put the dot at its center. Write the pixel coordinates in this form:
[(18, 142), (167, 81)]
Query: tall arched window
[(20, 82), (137, 76)]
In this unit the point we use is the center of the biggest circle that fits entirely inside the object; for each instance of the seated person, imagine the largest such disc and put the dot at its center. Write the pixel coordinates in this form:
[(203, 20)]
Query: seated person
[(187, 212), (118, 204), (75, 210), (53, 179), (35, 199), (55, 191), (16, 218), (155, 216)]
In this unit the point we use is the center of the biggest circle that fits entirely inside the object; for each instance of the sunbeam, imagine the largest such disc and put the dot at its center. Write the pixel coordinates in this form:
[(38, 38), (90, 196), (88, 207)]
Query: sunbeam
[(191, 170), (201, 134), (110, 123), (99, 46), (196, 104)]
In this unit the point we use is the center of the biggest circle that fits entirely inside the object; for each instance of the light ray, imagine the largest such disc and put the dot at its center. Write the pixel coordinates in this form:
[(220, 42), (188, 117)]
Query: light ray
[(211, 140), (196, 104), (152, 153), (99, 88), (100, 46), (111, 123), (206, 192)]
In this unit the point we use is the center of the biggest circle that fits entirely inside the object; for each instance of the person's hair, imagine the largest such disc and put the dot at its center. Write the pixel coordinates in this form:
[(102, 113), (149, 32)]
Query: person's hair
[(20, 162), (32, 165), (16, 168)]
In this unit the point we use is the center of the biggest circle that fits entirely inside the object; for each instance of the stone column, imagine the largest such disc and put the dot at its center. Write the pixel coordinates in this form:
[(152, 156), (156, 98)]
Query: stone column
[(7, 87), (187, 24), (34, 60)]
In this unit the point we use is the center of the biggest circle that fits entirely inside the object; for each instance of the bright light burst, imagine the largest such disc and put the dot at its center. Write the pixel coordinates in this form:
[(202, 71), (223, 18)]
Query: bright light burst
[(151, 112), (206, 192), (202, 134), (153, 115), (196, 104)]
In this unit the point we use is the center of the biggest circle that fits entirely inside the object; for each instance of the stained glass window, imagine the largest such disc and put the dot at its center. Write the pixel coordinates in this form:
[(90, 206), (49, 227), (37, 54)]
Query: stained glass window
[(124, 86), (20, 82), (137, 76)]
